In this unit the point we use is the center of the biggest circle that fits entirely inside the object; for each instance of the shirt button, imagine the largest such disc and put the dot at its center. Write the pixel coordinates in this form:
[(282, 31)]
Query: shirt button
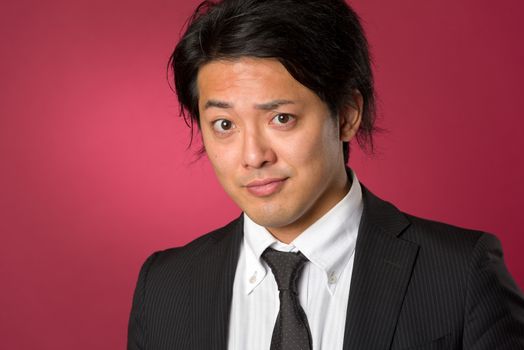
[(253, 278), (332, 278)]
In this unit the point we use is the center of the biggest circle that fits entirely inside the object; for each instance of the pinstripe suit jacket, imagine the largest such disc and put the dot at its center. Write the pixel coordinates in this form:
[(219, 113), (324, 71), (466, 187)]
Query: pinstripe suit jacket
[(416, 284)]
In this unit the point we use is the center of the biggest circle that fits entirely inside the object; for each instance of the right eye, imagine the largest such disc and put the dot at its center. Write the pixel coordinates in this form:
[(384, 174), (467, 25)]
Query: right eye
[(223, 125)]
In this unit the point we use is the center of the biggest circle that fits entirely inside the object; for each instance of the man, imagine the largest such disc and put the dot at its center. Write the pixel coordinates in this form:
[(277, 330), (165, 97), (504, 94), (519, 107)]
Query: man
[(278, 89)]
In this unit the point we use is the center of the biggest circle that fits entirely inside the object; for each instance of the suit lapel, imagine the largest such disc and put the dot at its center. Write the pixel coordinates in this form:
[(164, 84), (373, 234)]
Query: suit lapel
[(381, 273), (213, 275)]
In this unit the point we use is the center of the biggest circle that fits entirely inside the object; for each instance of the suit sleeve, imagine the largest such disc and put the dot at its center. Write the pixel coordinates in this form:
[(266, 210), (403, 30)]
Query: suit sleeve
[(137, 331), (494, 316)]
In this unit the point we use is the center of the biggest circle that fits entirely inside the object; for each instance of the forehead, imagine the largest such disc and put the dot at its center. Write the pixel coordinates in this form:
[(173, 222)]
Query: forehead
[(249, 78)]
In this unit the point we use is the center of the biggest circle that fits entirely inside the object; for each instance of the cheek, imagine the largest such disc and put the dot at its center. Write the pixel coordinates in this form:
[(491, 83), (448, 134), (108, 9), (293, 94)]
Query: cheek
[(329, 143), (223, 160), (313, 146)]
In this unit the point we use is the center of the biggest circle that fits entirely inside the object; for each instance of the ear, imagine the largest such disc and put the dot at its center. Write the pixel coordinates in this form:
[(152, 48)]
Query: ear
[(350, 117)]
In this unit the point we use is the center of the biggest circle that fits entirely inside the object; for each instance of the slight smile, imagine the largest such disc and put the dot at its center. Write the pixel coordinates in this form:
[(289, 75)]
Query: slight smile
[(265, 187)]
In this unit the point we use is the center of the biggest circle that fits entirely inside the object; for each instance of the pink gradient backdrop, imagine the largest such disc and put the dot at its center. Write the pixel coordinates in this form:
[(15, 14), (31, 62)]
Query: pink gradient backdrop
[(95, 174)]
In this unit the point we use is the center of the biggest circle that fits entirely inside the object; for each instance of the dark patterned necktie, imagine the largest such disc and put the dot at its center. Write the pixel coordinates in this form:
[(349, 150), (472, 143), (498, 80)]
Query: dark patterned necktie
[(291, 330)]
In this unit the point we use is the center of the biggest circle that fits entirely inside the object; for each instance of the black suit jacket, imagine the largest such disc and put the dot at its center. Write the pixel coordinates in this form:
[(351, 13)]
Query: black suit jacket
[(416, 284)]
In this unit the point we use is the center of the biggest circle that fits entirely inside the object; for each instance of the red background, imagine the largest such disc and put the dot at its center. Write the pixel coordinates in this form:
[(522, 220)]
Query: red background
[(95, 174)]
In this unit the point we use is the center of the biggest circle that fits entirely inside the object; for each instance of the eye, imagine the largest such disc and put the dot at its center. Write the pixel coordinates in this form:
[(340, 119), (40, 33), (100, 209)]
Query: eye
[(283, 119), (223, 125)]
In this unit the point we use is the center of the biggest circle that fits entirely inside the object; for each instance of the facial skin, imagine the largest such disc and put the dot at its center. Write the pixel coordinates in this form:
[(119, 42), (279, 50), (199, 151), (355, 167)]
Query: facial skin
[(273, 144)]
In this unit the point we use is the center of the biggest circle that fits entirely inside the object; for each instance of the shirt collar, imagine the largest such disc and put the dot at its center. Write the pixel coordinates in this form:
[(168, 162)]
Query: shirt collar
[(328, 244)]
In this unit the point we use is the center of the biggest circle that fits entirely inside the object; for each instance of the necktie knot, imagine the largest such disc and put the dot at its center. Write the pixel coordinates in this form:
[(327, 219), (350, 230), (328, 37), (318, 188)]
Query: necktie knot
[(285, 267)]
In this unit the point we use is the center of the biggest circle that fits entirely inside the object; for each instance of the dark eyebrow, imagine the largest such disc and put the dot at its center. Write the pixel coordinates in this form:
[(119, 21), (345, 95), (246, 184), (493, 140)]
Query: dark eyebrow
[(273, 104), (263, 106), (217, 104)]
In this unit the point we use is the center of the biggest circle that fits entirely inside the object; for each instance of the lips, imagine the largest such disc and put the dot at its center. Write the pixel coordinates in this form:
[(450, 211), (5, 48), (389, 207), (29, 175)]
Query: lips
[(265, 187)]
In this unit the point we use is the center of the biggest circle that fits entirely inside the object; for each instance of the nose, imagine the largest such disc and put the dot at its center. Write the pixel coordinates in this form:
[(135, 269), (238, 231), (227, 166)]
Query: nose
[(257, 151)]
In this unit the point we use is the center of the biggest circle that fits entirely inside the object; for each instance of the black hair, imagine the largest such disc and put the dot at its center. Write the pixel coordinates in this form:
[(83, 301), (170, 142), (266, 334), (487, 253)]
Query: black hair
[(320, 42)]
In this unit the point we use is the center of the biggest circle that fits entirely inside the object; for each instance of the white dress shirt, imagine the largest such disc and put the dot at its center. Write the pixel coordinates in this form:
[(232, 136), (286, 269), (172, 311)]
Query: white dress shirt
[(329, 245)]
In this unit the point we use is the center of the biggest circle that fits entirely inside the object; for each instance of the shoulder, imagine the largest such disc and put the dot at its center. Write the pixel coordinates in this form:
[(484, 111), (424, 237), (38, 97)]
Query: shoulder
[(170, 274), (178, 259), (431, 233), (168, 281), (467, 267), (447, 247), (445, 252)]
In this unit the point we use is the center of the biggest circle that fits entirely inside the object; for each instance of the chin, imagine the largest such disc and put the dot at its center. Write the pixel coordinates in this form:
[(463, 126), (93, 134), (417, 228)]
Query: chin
[(270, 218)]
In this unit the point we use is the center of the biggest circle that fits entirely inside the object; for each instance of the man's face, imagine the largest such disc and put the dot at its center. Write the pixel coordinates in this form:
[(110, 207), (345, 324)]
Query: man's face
[(272, 142)]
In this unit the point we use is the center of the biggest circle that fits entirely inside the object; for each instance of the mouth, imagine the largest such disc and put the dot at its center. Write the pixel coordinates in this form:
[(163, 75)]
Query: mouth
[(265, 187)]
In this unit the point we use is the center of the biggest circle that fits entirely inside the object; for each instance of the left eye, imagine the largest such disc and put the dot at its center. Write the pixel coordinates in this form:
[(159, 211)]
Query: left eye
[(282, 119)]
